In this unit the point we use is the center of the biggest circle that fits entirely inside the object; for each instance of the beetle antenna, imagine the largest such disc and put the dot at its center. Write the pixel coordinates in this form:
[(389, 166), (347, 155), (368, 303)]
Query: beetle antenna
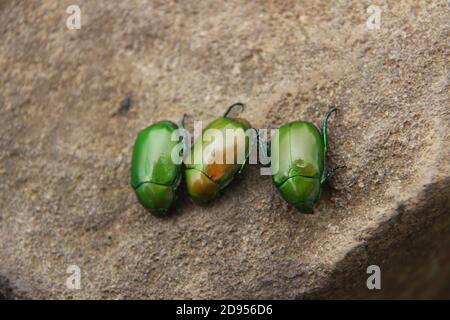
[(240, 104), (324, 130)]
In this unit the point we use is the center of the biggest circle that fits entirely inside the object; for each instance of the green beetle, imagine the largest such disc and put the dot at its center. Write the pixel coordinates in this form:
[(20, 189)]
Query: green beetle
[(154, 174), (206, 178), (298, 153)]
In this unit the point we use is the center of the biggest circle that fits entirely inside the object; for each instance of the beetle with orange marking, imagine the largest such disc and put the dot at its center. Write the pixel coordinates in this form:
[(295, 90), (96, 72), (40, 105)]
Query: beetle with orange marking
[(218, 156)]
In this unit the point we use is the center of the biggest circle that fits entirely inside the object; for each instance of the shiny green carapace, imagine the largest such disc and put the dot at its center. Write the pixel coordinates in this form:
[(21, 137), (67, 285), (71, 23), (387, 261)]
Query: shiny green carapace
[(154, 175), (298, 162), (205, 176)]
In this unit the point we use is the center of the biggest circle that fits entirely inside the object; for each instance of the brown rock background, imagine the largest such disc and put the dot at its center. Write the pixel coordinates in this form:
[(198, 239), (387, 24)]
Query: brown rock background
[(65, 149)]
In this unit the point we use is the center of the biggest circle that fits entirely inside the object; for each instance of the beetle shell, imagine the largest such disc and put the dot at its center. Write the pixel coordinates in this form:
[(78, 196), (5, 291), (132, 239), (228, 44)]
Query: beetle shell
[(205, 178), (298, 158), (154, 176)]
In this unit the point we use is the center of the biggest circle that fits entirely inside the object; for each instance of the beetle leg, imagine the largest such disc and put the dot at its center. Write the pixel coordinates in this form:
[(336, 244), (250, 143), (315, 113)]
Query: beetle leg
[(264, 147), (324, 130), (331, 172), (241, 168), (185, 145), (231, 108), (181, 122)]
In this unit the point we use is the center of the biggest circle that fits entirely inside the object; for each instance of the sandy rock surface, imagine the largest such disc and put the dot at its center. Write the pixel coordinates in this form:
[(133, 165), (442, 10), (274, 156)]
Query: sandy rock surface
[(65, 148)]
